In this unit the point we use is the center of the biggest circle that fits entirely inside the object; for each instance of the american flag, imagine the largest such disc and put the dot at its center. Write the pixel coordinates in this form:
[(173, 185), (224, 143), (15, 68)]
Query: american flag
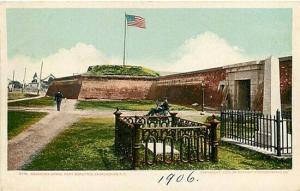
[(135, 21)]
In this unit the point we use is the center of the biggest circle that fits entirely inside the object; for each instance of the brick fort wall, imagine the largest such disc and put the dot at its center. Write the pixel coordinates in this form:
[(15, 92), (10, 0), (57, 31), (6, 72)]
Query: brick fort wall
[(115, 87), (185, 88), (286, 80), (70, 88), (182, 88)]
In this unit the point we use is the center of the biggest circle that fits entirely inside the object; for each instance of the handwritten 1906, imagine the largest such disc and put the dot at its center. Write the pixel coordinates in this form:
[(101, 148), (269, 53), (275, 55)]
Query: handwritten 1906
[(177, 178)]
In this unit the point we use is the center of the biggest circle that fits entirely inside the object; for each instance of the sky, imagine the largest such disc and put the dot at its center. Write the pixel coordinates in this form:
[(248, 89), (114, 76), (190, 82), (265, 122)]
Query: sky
[(175, 40)]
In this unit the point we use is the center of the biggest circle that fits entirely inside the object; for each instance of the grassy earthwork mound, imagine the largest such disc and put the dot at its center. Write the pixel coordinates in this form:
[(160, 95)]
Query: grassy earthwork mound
[(99, 70)]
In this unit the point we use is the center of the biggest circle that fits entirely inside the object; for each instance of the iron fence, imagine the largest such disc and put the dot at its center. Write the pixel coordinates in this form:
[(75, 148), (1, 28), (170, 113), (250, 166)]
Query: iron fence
[(269, 132), (152, 140)]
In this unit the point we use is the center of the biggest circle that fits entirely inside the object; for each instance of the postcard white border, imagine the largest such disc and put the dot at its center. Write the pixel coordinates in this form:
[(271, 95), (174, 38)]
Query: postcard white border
[(147, 180)]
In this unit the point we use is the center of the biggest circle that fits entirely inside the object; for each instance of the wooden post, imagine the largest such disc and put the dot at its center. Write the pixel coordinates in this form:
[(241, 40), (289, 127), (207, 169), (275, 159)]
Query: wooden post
[(13, 82), (117, 114), (173, 117), (214, 139), (136, 145), (23, 87), (40, 81)]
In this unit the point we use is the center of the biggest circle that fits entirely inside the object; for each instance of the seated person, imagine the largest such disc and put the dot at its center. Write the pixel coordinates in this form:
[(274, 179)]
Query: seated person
[(165, 104), (163, 107)]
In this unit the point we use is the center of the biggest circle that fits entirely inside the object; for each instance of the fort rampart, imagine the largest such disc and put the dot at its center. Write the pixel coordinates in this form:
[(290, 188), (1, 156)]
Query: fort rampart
[(102, 87), (187, 88), (181, 88)]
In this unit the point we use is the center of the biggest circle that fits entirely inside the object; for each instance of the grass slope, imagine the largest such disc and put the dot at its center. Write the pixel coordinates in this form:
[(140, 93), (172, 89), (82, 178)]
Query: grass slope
[(121, 70), (18, 95), (44, 101), (133, 105), (81, 147), (20, 120)]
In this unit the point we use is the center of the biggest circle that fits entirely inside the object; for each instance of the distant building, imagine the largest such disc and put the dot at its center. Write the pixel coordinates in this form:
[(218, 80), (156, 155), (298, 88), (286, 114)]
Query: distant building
[(13, 85), (47, 81), (9, 85), (34, 84)]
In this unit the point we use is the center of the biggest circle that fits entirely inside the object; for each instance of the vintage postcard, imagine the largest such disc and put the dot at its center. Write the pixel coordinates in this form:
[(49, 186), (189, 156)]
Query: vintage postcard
[(149, 95)]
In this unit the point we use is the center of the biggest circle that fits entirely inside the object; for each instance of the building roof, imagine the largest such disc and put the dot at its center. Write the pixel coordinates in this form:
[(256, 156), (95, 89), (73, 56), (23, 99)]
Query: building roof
[(286, 58)]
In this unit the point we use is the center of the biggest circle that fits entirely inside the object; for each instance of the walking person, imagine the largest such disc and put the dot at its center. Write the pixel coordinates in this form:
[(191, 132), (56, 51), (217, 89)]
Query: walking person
[(58, 98)]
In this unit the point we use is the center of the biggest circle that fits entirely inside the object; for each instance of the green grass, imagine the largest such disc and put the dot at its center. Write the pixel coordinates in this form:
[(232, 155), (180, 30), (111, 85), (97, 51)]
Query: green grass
[(134, 105), (121, 70), (231, 157), (39, 102), (81, 146), (20, 120), (18, 95)]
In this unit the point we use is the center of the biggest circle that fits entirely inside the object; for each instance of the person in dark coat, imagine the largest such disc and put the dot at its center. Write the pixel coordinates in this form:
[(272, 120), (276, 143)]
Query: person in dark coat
[(58, 98), (161, 108)]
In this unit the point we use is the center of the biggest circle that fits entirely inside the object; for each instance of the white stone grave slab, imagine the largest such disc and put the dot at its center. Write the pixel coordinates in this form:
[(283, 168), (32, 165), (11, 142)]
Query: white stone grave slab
[(159, 148)]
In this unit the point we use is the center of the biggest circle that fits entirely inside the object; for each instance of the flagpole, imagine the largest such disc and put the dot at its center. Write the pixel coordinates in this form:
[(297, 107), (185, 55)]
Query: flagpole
[(124, 51)]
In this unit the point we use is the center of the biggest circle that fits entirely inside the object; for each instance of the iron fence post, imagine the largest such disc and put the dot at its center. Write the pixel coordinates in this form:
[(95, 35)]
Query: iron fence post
[(117, 114), (136, 145), (238, 136), (222, 124), (173, 117), (222, 128), (214, 139), (278, 141)]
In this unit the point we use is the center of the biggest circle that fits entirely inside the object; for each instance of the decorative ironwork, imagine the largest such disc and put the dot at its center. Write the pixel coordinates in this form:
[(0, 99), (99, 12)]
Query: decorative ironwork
[(148, 140)]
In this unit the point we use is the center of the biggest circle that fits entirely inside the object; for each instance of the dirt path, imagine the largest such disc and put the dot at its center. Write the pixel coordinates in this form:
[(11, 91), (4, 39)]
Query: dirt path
[(23, 147)]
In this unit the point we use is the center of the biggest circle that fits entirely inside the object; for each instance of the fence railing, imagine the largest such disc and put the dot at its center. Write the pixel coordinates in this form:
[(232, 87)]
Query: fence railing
[(269, 132), (151, 140)]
